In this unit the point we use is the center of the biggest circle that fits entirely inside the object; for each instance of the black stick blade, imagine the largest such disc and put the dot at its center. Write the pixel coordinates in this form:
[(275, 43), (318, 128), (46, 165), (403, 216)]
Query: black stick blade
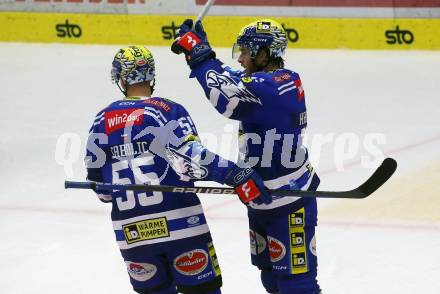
[(379, 177)]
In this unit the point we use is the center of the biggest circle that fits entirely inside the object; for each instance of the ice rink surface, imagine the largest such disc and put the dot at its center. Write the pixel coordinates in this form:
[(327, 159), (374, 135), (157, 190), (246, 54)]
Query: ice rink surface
[(59, 241)]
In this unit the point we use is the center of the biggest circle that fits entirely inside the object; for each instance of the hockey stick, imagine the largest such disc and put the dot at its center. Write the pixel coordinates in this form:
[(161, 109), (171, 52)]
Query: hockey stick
[(377, 179), (204, 11)]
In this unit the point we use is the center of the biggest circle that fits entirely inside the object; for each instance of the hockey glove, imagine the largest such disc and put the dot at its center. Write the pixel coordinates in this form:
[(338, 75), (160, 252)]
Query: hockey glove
[(192, 42), (249, 185), (103, 195)]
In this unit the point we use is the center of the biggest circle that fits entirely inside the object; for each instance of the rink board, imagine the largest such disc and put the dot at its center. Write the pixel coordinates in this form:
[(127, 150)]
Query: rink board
[(305, 33)]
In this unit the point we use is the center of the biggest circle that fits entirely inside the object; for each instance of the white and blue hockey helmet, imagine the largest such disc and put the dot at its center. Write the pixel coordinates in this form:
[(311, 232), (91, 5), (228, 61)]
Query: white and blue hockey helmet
[(133, 65), (259, 34)]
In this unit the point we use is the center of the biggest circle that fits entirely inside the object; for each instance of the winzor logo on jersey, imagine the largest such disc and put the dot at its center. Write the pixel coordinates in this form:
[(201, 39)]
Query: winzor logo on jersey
[(229, 88)]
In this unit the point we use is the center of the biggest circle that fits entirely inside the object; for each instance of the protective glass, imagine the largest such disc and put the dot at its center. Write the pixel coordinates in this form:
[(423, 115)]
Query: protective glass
[(240, 49), (236, 51)]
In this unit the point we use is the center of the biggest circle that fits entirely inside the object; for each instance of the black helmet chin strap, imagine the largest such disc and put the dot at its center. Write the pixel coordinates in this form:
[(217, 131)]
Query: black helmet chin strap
[(153, 83), (120, 89)]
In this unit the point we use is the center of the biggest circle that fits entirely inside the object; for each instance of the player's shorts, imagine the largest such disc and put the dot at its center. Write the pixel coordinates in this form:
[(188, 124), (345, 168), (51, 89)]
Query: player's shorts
[(286, 243), (187, 264)]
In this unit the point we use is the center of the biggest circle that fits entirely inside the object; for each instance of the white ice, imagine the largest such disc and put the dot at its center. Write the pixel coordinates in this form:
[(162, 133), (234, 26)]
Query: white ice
[(61, 241)]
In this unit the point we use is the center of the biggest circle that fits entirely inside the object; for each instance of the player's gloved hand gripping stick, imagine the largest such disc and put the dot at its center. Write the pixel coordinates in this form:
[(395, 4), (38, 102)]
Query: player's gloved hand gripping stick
[(377, 179), (192, 39), (193, 42), (178, 49), (248, 186)]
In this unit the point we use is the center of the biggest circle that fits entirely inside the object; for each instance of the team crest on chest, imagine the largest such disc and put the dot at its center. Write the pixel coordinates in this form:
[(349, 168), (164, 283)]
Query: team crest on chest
[(229, 88)]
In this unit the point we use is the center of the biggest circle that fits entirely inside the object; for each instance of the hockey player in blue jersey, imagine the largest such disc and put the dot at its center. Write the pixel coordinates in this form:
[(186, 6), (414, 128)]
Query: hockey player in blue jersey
[(163, 237), (269, 102)]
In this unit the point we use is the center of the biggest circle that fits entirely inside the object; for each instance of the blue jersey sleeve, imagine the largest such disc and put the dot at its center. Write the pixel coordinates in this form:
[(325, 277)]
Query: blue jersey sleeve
[(96, 157), (251, 98), (155, 125), (176, 140), (189, 158)]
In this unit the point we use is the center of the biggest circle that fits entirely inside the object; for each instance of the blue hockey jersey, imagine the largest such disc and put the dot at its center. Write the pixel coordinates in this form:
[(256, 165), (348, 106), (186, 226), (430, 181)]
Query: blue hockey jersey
[(272, 113), (142, 140)]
